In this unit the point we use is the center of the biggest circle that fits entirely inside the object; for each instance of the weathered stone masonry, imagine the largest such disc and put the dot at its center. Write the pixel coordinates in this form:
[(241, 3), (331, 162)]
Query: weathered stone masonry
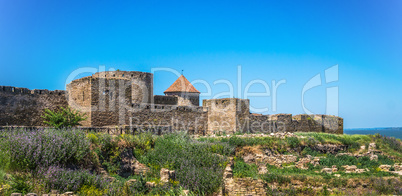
[(121, 98), (21, 106)]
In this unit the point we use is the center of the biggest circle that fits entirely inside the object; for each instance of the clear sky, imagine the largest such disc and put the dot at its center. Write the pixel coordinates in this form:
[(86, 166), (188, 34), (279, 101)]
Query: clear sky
[(43, 42)]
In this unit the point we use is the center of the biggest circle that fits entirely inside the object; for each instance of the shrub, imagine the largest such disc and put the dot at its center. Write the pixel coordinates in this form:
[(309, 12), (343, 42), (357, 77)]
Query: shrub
[(143, 141), (30, 149), (273, 177), (20, 184), (386, 186), (63, 117), (242, 169), (311, 141), (292, 142), (197, 168), (93, 138), (392, 142), (91, 191), (252, 141), (352, 141), (108, 152), (309, 151), (2, 176), (70, 180)]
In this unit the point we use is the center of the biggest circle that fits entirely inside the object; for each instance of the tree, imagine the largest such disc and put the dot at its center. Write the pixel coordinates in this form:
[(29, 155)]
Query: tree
[(63, 117)]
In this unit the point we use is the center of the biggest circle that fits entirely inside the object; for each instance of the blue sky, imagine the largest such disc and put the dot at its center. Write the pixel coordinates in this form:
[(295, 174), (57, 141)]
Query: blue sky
[(42, 42)]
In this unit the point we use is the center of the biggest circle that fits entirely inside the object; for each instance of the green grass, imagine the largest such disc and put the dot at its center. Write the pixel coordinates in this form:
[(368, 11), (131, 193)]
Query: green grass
[(361, 162), (352, 141), (243, 170), (198, 166)]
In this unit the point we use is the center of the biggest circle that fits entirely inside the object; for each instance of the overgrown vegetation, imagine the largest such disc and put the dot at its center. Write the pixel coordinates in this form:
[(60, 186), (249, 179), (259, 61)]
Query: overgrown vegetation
[(63, 117), (69, 160), (198, 166)]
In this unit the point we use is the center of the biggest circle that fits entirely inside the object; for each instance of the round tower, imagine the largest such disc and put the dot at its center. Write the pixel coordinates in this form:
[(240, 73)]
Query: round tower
[(141, 84)]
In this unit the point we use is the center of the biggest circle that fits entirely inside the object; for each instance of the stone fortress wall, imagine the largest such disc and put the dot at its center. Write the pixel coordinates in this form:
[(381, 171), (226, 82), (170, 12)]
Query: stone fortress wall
[(122, 98), (23, 107)]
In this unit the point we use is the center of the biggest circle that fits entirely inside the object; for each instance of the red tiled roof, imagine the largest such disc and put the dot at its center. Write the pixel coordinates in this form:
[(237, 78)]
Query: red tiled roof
[(181, 85)]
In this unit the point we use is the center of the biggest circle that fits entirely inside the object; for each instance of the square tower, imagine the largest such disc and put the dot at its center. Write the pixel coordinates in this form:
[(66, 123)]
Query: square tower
[(228, 115)]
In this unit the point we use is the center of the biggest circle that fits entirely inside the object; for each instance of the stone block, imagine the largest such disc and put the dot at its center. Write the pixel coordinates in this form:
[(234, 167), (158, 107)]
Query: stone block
[(150, 184), (327, 170), (167, 175), (385, 167)]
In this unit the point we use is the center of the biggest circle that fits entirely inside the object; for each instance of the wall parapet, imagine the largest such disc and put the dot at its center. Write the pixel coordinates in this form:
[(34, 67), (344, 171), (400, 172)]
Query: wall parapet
[(163, 107), (296, 123), (26, 91)]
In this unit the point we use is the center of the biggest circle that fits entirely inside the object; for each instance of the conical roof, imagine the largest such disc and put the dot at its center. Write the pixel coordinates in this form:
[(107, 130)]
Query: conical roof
[(181, 85)]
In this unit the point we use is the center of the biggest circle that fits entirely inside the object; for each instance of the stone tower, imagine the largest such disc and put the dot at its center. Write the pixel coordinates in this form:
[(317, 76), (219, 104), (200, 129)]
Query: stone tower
[(227, 115), (186, 93), (106, 97)]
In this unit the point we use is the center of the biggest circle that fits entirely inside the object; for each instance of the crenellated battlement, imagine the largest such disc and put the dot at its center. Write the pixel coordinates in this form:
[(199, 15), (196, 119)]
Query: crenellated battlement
[(121, 98), (24, 107), (25, 91)]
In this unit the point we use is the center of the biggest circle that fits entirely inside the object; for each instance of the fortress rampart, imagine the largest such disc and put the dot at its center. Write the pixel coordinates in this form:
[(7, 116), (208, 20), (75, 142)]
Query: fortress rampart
[(21, 106), (121, 98)]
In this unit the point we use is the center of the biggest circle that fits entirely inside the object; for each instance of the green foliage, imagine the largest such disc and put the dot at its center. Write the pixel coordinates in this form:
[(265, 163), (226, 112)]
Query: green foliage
[(108, 152), (143, 141), (339, 182), (293, 142), (361, 162), (199, 164), (2, 176), (325, 191), (311, 141), (63, 117), (352, 141), (387, 186), (4, 155), (87, 190), (93, 138), (20, 184), (26, 150), (309, 151), (251, 141), (197, 167), (242, 169), (62, 179), (389, 145), (274, 177)]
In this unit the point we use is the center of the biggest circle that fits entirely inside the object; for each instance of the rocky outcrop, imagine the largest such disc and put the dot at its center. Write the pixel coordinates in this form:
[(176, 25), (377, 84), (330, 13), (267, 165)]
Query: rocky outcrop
[(127, 163), (269, 158), (353, 169), (385, 167), (329, 170), (328, 148)]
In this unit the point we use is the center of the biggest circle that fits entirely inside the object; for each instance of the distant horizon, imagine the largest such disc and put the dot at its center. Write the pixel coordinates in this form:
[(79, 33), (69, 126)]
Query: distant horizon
[(374, 128)]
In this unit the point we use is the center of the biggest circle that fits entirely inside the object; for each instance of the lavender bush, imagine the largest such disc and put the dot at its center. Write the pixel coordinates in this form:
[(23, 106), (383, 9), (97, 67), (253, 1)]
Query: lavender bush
[(28, 150), (64, 180), (197, 165)]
